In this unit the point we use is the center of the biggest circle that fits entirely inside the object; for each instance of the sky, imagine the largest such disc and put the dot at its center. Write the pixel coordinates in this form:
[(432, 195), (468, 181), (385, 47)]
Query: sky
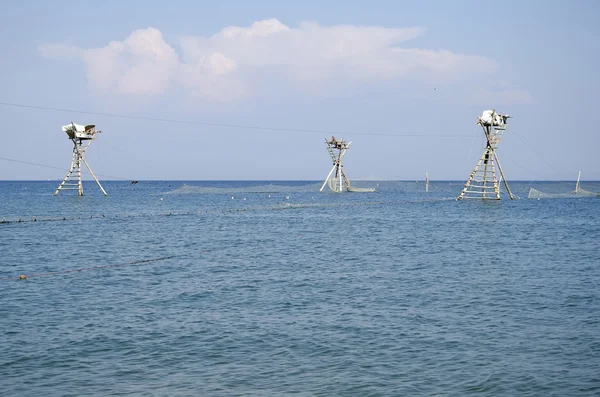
[(248, 90)]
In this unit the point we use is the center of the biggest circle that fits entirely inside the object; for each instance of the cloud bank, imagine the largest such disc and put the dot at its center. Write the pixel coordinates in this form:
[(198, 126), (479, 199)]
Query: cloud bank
[(244, 62)]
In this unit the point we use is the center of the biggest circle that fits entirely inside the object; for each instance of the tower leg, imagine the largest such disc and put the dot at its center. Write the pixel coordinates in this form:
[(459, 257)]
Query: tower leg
[(328, 176), (486, 163), (471, 177), (503, 178), (73, 160), (94, 176), (79, 181), (346, 180)]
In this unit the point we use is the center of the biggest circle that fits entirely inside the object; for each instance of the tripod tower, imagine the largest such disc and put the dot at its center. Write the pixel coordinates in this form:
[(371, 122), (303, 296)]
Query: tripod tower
[(336, 180), (483, 182), (82, 137)]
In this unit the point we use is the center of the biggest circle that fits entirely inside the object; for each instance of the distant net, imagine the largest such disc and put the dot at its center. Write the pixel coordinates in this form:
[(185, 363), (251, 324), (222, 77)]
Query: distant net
[(258, 189), (579, 193), (355, 189), (337, 184)]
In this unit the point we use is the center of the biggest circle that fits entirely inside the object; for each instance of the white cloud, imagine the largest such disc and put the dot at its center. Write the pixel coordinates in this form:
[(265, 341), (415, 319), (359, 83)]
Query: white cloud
[(207, 77), (259, 28), (240, 62), (142, 64)]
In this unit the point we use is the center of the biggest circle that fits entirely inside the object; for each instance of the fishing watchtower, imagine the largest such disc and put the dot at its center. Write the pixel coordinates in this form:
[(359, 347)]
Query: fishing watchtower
[(336, 148), (483, 183), (82, 137)]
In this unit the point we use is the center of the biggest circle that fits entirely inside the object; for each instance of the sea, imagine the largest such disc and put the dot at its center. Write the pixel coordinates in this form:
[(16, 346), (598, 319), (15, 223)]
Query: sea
[(272, 288)]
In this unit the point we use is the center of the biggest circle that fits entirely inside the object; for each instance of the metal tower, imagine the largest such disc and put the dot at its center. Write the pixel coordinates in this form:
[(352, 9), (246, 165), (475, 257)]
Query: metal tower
[(78, 134), (483, 183), (336, 181)]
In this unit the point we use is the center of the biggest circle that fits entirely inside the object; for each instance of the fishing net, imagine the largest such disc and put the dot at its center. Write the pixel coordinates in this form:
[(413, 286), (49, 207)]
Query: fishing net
[(336, 184), (354, 189), (265, 189), (537, 194)]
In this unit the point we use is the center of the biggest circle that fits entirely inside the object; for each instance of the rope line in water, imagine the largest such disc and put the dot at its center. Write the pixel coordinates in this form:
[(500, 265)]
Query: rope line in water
[(83, 269), (287, 206)]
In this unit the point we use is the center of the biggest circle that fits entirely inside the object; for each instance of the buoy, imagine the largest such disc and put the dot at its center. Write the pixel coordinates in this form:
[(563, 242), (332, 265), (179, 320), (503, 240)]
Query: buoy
[(22, 277)]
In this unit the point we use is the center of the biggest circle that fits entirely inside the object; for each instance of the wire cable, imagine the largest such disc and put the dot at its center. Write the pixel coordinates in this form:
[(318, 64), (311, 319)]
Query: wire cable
[(59, 168), (82, 269), (224, 125), (539, 154)]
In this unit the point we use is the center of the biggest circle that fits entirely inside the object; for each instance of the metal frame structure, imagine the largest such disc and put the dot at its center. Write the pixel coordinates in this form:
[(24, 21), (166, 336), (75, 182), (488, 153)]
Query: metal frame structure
[(78, 135), (335, 182), (483, 182)]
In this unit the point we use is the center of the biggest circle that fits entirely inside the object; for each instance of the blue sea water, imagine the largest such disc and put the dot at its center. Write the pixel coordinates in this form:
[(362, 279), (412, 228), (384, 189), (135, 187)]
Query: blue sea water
[(274, 289)]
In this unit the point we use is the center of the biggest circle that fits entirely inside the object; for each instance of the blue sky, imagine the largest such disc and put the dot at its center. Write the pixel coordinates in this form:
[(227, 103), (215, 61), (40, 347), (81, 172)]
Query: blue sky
[(420, 70)]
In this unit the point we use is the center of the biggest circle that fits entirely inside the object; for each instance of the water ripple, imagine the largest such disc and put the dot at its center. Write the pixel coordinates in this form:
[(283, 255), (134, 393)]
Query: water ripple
[(407, 296)]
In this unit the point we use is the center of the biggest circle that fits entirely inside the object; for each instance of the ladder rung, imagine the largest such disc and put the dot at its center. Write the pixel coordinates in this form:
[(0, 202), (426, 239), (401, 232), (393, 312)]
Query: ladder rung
[(477, 192)]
